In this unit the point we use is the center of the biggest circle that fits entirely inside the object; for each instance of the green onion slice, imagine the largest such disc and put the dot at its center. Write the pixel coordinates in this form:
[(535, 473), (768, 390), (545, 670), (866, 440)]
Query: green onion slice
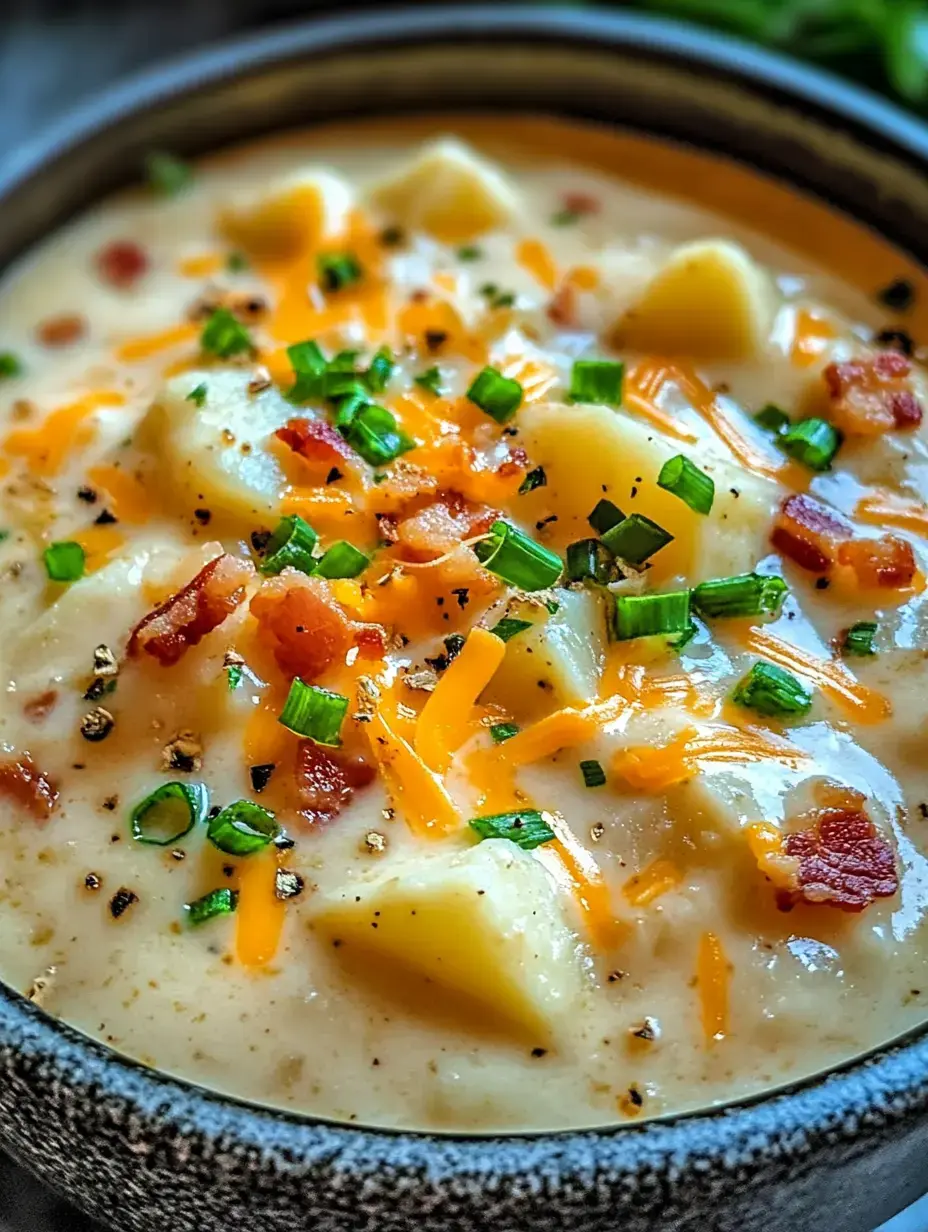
[(314, 713), (431, 380), (291, 545), (234, 674), (772, 419), (858, 639), (527, 829), (380, 370), (501, 732), (170, 812), (499, 396), (167, 174), (771, 691), (591, 559), (508, 627), (375, 434), (636, 539), (652, 615), (605, 515), (693, 486), (534, 479), (593, 773), (216, 902), (224, 335), (197, 396), (242, 828), (342, 560), (813, 442), (338, 270), (64, 561), (746, 594), (343, 383), (469, 252), (10, 365), (596, 380), (518, 559), (309, 365)]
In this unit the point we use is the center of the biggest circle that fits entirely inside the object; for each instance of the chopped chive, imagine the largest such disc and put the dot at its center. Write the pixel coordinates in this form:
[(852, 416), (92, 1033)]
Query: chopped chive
[(693, 486), (236, 263), (167, 174), (517, 558), (223, 335), (508, 627), (746, 594), (380, 370), (291, 545), (677, 643), (597, 380), (500, 732), (347, 408), (309, 365), (342, 560), (234, 674), (499, 396), (10, 365), (636, 539), (470, 252), (344, 361), (242, 828), (430, 379), (64, 561), (565, 218), (338, 270), (337, 384), (527, 829), (593, 774), (170, 812), (552, 606), (604, 516), (216, 902), (813, 442), (197, 396), (495, 297), (772, 419), (771, 691), (858, 639), (534, 479), (315, 713), (375, 434), (591, 559), (652, 615)]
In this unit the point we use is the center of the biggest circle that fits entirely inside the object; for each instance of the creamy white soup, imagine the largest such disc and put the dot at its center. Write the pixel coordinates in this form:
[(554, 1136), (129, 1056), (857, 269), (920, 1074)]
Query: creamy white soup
[(463, 627)]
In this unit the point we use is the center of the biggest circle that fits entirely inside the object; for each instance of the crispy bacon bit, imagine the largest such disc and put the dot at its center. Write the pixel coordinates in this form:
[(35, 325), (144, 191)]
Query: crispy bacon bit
[(122, 263), (887, 562), (26, 785), (516, 462), (810, 533), (581, 203), (307, 630), (872, 396), (371, 640), (562, 307), (441, 525), (844, 862), (62, 330), (387, 528), (316, 441), (37, 709), (186, 617), (326, 780)]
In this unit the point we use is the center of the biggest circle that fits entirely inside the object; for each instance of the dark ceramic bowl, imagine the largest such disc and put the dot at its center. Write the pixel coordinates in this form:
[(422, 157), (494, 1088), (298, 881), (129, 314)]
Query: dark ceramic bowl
[(838, 1153)]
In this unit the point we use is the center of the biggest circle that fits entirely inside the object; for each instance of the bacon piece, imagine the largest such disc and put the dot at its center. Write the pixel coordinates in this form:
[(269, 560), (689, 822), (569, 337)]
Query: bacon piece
[(887, 562), (37, 709), (441, 525), (872, 396), (62, 330), (843, 861), (810, 533), (316, 441), (516, 461), (326, 780), (306, 628), (186, 617), (27, 786), (122, 263), (581, 203), (562, 307)]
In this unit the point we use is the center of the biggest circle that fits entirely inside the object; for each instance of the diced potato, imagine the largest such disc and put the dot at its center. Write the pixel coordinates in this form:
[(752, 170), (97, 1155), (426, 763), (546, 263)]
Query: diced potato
[(216, 454), (565, 650), (448, 191), (484, 924), (710, 301), (290, 214), (592, 451)]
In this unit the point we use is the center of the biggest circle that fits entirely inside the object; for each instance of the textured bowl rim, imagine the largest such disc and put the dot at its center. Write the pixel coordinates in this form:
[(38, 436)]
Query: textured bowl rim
[(871, 1091)]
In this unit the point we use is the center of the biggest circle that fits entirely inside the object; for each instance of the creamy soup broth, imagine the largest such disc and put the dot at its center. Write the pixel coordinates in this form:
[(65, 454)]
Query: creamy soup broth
[(740, 903)]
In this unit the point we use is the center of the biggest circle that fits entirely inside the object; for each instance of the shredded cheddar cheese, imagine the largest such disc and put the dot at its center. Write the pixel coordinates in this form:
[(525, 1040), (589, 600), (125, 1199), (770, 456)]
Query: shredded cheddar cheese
[(443, 724), (713, 977)]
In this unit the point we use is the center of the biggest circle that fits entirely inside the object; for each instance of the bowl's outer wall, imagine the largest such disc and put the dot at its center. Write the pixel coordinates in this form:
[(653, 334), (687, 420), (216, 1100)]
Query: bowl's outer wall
[(140, 1151)]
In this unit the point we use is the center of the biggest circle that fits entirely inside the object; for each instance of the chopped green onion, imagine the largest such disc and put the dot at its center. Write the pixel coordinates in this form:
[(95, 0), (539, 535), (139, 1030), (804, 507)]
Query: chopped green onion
[(518, 559), (380, 370), (470, 252), (813, 442), (242, 828), (375, 434), (344, 361), (500, 732), (652, 615), (431, 380), (605, 516), (693, 486), (170, 812), (347, 408), (234, 674), (10, 365), (197, 396), (338, 270), (499, 396), (636, 539), (527, 829), (593, 774), (223, 335), (236, 263), (343, 383), (64, 561), (315, 713), (772, 419), (565, 218), (534, 479), (552, 606), (342, 560), (771, 691), (747, 594), (309, 365), (291, 545), (677, 643), (858, 639), (590, 558), (216, 902), (508, 627), (597, 380), (496, 297), (167, 175)]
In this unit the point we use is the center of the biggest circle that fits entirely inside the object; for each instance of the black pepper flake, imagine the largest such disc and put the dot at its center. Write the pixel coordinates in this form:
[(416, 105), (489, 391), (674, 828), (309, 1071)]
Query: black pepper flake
[(897, 339), (261, 775), (121, 901), (105, 518), (87, 495), (228, 870), (822, 583), (461, 593), (259, 540), (923, 809), (334, 475), (546, 521), (635, 1097), (283, 842), (288, 884), (203, 516), (97, 724), (392, 237), (897, 295), (645, 1032), (98, 688), (111, 803), (614, 976), (92, 882), (539, 1052), (435, 338)]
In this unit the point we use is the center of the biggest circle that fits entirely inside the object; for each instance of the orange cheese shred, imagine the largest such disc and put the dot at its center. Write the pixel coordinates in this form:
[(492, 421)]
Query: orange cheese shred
[(134, 350), (419, 792), (536, 257), (571, 864), (642, 385), (713, 976), (656, 769), (444, 723), (200, 266), (259, 917), (99, 544), (886, 509), (46, 447), (811, 334), (128, 499), (654, 880)]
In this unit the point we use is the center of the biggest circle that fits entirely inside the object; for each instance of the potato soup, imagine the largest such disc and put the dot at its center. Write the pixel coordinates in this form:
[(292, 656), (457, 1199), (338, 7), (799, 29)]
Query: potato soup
[(463, 627)]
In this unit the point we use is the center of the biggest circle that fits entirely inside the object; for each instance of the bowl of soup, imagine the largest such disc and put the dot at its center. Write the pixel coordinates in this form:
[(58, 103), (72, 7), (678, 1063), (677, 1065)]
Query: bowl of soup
[(463, 636)]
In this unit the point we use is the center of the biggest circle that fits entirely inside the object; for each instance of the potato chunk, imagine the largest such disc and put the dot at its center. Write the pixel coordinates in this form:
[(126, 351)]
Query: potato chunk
[(448, 191), (289, 215), (484, 924), (710, 301), (216, 454)]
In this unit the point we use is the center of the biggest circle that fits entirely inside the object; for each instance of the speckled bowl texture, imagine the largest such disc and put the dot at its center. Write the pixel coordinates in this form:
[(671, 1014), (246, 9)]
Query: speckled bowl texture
[(137, 1150)]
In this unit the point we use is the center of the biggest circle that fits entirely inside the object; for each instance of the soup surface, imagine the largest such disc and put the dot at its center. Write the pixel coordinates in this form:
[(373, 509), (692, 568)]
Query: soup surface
[(463, 627)]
